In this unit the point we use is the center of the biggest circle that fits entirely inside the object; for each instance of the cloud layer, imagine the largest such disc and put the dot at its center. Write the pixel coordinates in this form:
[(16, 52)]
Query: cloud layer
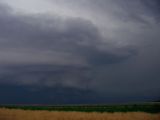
[(104, 47)]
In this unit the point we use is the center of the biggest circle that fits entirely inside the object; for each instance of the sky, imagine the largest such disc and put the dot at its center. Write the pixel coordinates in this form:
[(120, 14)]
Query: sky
[(79, 51)]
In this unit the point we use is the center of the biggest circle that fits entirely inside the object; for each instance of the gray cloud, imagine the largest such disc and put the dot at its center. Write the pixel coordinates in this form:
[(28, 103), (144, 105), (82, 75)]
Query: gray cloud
[(110, 48), (46, 76), (72, 45), (133, 10)]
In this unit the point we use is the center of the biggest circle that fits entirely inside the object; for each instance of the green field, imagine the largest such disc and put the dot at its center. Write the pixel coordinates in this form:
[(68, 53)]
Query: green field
[(148, 107)]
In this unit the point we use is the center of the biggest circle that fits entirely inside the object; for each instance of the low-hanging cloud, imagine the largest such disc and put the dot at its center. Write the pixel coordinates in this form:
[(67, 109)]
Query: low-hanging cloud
[(68, 47), (107, 48)]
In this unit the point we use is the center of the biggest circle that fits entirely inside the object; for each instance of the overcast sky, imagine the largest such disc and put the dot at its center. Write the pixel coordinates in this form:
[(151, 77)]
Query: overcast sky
[(79, 51)]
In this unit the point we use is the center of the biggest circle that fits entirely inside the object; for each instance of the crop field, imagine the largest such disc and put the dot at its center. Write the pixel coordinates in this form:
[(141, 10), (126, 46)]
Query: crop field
[(14, 114), (81, 112)]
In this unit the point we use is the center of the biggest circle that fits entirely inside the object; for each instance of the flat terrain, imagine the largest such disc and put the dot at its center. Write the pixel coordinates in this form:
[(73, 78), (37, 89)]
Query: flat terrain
[(15, 114), (145, 107)]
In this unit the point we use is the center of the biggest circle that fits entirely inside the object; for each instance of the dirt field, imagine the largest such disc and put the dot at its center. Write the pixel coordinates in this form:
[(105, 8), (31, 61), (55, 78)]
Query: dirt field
[(6, 114)]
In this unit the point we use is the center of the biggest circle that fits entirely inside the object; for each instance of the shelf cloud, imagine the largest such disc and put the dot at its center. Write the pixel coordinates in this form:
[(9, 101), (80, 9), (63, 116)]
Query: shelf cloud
[(105, 48)]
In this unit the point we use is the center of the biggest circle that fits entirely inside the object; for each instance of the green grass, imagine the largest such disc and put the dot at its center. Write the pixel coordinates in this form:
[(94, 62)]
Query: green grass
[(149, 108)]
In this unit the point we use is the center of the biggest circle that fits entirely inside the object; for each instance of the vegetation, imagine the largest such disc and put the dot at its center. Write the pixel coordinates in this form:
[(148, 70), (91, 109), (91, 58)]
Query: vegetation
[(149, 108), (12, 114)]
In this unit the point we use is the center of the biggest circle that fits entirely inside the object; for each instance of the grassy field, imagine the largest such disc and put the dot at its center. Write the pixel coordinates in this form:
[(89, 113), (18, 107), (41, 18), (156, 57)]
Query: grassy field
[(148, 107), (15, 114), (148, 111)]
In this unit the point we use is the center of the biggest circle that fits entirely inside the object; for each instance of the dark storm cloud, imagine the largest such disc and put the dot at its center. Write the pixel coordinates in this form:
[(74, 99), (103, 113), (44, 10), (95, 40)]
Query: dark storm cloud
[(24, 36), (141, 10), (136, 22), (57, 95), (47, 76), (65, 50), (108, 52)]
